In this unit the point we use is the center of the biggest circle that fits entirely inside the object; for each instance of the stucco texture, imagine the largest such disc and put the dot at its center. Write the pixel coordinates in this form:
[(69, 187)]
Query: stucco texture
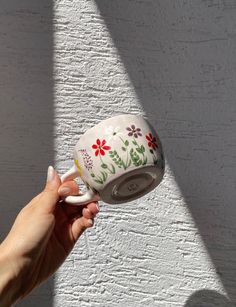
[(65, 66)]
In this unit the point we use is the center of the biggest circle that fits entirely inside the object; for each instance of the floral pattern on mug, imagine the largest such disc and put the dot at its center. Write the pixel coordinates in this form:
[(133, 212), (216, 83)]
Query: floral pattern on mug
[(87, 159), (133, 131), (131, 152), (100, 147), (113, 132), (152, 142)]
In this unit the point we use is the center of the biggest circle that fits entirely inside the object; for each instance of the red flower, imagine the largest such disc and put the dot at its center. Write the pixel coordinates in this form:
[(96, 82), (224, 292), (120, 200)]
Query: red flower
[(100, 147), (152, 142)]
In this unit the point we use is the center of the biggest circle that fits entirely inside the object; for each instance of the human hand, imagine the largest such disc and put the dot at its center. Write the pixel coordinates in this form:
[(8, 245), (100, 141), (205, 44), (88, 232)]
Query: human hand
[(44, 233)]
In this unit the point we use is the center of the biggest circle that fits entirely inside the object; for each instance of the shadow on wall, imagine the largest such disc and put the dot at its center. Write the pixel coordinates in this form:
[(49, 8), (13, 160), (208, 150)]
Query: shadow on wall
[(26, 111), (208, 298), (180, 57)]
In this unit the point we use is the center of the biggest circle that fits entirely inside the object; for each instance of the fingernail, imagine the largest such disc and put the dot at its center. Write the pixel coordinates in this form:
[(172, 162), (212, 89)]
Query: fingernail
[(64, 191), (50, 174), (97, 207), (90, 222)]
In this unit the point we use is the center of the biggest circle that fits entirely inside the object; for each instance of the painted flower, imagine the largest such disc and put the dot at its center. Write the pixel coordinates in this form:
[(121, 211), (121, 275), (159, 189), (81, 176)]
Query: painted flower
[(133, 131), (87, 159), (152, 142), (100, 147), (112, 132)]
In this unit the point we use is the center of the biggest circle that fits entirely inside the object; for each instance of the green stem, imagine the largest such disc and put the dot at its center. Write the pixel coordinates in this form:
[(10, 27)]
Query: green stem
[(101, 159), (139, 147), (127, 160), (154, 157), (125, 164), (154, 153), (122, 140), (111, 171)]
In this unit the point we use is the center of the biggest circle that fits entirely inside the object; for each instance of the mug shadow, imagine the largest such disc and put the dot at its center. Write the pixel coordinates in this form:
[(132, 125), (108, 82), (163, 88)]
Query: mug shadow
[(26, 117), (180, 58), (208, 298)]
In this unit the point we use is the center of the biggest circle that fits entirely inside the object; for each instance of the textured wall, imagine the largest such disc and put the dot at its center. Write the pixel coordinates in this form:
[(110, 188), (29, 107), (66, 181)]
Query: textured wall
[(175, 62), (26, 111)]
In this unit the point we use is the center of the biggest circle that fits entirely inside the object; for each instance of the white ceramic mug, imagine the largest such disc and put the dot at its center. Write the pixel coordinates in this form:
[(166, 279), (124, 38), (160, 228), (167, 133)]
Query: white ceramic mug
[(119, 160)]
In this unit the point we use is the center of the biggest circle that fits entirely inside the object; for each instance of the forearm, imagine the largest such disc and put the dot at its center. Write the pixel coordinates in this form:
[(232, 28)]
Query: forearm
[(10, 281)]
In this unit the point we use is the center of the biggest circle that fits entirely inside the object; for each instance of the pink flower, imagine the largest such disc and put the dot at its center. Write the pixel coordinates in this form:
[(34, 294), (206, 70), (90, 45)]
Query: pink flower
[(100, 147), (152, 142), (87, 159)]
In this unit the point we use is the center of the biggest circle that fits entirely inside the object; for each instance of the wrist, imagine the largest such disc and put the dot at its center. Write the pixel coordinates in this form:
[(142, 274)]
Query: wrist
[(10, 279)]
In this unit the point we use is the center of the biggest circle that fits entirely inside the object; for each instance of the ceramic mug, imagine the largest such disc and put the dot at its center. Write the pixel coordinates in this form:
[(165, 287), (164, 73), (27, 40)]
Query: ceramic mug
[(119, 160)]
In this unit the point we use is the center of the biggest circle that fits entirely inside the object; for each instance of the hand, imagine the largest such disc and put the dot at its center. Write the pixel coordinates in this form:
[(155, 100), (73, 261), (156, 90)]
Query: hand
[(44, 233)]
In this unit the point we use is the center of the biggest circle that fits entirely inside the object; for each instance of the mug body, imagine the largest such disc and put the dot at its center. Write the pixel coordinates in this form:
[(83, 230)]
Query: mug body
[(121, 158)]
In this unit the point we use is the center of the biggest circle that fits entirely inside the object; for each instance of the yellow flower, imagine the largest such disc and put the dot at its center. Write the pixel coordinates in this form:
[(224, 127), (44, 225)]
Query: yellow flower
[(79, 167)]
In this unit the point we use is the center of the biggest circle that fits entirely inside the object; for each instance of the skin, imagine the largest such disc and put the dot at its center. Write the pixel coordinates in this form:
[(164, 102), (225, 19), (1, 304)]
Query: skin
[(42, 236)]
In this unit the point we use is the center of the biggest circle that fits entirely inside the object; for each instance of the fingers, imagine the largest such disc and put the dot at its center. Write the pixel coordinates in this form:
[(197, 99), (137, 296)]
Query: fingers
[(49, 197), (71, 188), (81, 217), (79, 226), (68, 188), (90, 211)]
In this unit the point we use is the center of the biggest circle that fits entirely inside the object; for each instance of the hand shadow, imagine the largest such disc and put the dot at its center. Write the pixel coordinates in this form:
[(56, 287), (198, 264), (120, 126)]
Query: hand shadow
[(208, 298)]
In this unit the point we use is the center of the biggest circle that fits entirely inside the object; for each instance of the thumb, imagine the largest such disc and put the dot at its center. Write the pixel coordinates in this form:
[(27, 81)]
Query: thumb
[(50, 194)]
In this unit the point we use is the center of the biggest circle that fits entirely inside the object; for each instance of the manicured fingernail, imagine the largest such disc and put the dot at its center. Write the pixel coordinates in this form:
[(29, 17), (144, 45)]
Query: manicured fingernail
[(90, 222), (64, 191), (97, 207), (50, 174)]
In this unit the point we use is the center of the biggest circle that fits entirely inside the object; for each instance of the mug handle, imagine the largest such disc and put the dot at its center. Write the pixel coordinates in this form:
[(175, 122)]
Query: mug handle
[(82, 199)]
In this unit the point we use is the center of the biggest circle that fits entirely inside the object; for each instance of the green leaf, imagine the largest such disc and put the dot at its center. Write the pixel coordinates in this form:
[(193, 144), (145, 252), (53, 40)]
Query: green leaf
[(135, 143), (123, 148), (142, 148), (113, 169), (104, 176), (135, 158), (139, 150), (92, 175), (104, 165), (98, 181), (145, 161), (126, 143), (100, 178)]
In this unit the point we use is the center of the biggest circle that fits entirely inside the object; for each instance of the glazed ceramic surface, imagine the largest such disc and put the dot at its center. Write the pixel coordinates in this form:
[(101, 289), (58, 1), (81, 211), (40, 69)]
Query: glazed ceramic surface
[(120, 159)]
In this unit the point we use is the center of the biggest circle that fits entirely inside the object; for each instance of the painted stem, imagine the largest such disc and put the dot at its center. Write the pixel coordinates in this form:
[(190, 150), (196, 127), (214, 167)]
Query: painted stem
[(110, 171), (125, 165), (139, 147)]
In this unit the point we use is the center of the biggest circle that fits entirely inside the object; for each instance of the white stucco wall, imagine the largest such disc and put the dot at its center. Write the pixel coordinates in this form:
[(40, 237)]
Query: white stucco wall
[(69, 64)]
